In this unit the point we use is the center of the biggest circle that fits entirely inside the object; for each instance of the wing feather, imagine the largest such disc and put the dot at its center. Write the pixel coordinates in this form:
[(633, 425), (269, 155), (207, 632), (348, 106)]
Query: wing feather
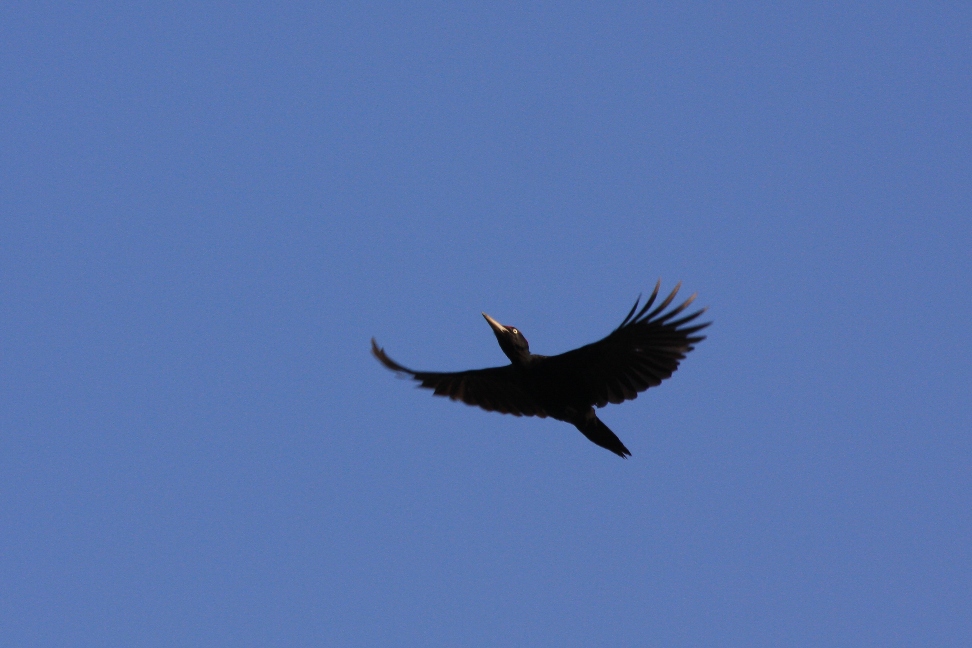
[(642, 352), (496, 389)]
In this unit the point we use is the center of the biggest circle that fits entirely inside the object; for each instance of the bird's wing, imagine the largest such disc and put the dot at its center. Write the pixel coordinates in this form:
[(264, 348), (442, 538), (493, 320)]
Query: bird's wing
[(497, 389), (643, 351)]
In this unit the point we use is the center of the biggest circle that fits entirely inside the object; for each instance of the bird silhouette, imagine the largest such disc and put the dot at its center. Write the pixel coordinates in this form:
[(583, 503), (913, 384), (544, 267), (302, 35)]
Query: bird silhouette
[(642, 351)]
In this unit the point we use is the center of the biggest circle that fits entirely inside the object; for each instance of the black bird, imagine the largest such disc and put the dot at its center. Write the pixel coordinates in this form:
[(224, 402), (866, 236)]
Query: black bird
[(643, 351)]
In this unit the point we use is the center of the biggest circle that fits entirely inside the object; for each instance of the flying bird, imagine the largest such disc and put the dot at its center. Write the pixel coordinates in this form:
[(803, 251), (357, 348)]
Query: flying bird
[(643, 351)]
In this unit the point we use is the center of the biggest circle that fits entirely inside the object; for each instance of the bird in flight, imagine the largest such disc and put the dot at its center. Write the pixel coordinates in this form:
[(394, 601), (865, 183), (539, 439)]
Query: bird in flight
[(643, 351)]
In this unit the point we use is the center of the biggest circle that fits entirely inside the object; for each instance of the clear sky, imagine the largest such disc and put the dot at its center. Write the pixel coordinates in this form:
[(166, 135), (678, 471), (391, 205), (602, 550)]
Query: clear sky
[(209, 209)]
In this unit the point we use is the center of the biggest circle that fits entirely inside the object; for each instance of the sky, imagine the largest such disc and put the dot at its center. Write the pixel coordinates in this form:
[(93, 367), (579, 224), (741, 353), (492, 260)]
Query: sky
[(208, 209)]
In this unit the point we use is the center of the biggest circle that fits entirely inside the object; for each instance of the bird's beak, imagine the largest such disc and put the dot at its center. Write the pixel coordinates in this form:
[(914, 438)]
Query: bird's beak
[(493, 324)]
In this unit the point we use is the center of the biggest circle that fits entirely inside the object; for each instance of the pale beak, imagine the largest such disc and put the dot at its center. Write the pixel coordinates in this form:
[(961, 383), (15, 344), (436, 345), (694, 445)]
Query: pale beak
[(493, 324)]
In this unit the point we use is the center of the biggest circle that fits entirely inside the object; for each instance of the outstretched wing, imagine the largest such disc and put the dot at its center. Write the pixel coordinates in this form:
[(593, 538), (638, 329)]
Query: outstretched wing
[(497, 389), (643, 351)]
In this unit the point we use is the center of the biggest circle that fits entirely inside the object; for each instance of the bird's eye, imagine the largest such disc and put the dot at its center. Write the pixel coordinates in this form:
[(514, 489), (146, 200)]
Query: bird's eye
[(515, 332)]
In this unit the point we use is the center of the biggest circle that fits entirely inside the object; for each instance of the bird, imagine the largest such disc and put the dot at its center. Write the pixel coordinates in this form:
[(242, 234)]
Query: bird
[(645, 349)]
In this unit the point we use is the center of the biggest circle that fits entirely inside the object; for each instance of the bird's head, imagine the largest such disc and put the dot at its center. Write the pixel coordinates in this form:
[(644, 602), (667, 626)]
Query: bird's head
[(514, 345)]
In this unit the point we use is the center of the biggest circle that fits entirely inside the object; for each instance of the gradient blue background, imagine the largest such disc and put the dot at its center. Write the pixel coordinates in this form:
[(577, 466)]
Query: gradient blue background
[(208, 210)]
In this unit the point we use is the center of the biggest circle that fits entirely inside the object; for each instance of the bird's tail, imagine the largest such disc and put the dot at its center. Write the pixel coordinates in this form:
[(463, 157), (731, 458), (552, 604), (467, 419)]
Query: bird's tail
[(595, 430)]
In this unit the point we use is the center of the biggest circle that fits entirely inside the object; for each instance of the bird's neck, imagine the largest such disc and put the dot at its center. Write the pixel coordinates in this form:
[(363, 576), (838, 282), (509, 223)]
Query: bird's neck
[(523, 358)]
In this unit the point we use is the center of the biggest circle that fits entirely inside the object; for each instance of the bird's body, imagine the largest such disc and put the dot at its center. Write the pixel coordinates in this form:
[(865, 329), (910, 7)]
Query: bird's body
[(644, 350)]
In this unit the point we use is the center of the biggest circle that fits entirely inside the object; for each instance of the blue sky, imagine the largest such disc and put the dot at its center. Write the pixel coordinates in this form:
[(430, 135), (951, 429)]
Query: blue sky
[(208, 210)]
